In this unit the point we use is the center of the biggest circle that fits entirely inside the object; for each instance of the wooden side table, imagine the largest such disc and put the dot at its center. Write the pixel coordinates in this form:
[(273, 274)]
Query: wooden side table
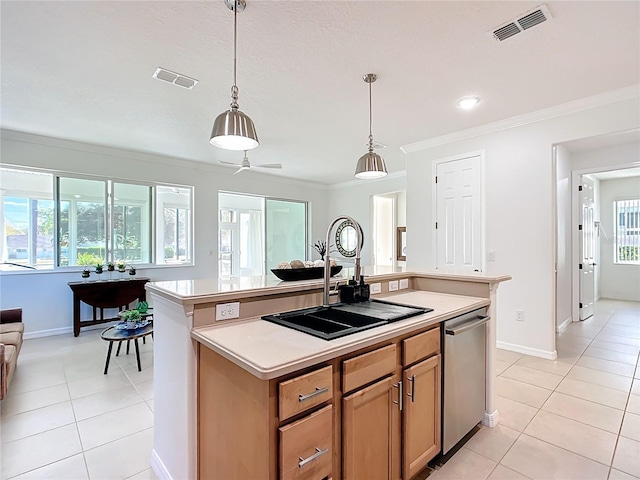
[(105, 294), (113, 334)]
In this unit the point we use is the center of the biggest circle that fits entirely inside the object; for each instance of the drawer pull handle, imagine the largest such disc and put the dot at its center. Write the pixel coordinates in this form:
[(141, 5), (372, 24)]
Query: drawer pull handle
[(412, 379), (319, 453), (400, 395), (319, 391)]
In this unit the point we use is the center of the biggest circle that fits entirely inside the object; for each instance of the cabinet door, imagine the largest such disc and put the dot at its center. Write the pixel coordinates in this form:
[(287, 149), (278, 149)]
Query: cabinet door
[(421, 419), (371, 432)]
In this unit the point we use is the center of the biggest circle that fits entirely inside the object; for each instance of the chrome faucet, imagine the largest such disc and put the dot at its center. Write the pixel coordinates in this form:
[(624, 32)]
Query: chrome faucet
[(327, 259)]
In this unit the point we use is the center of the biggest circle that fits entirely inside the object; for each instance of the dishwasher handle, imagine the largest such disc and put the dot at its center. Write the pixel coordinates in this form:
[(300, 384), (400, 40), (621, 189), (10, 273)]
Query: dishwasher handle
[(480, 320)]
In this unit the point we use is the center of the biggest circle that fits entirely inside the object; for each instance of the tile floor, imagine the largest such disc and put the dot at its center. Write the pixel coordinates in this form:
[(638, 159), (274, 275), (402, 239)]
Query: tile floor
[(63, 419), (574, 418)]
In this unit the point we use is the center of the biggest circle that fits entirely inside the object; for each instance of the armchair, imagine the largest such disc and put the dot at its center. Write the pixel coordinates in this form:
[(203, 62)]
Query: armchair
[(11, 331)]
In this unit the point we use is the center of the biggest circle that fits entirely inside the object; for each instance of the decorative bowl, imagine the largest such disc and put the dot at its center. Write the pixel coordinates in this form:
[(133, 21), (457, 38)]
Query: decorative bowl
[(291, 274)]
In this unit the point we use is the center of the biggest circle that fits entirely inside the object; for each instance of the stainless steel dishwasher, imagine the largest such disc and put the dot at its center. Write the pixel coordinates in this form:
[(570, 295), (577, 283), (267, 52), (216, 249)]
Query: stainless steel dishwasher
[(464, 382)]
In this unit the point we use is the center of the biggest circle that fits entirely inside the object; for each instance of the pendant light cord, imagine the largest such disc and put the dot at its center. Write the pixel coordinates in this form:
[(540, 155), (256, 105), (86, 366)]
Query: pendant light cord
[(234, 88), (370, 121)]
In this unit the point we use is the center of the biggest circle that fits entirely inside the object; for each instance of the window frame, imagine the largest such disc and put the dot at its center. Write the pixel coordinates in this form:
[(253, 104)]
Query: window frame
[(616, 226), (110, 204)]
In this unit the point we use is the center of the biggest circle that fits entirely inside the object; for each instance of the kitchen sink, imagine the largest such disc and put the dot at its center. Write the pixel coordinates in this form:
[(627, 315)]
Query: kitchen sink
[(338, 320)]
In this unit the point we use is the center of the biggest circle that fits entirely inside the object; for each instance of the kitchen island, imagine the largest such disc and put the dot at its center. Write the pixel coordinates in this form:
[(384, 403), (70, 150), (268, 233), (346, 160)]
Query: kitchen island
[(211, 377)]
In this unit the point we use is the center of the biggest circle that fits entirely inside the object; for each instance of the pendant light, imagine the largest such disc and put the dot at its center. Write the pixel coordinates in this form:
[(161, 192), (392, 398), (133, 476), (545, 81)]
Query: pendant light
[(370, 165), (233, 130)]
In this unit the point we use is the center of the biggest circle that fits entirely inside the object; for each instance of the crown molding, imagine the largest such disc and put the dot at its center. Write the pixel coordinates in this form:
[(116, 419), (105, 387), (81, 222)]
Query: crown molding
[(607, 98)]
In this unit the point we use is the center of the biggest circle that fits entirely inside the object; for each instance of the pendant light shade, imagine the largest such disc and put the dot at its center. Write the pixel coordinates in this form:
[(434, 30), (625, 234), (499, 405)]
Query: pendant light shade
[(370, 165), (233, 129)]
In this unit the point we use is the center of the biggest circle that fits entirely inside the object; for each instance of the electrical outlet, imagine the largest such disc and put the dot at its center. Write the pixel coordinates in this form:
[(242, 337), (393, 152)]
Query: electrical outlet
[(375, 288), (519, 315), (393, 285), (404, 283), (227, 311), (491, 256)]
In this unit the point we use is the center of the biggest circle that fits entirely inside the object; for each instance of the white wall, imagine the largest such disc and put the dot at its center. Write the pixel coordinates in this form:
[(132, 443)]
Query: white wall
[(45, 296), (618, 281), (354, 199), (519, 182), (564, 231)]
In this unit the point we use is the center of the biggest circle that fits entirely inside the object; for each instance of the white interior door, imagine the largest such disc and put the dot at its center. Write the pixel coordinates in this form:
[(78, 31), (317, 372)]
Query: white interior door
[(587, 249), (459, 215)]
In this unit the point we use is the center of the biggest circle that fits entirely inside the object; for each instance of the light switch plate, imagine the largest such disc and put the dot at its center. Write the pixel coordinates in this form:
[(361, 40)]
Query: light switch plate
[(404, 283), (227, 311), (375, 288), (393, 285)]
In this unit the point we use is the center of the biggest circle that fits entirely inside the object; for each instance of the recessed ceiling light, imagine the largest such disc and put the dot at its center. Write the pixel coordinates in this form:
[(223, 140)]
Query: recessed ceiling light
[(467, 103)]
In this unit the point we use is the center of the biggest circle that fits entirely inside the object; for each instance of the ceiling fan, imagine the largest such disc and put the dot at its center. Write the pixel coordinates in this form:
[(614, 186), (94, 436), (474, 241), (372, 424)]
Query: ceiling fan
[(245, 165)]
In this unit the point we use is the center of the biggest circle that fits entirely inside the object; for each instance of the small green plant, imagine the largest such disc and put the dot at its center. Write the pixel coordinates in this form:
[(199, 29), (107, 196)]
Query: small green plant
[(111, 266), (87, 258), (99, 267), (131, 316), (121, 266)]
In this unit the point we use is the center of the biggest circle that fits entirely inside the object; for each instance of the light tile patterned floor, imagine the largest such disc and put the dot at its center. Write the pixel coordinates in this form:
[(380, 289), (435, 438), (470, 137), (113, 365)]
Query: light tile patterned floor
[(64, 419), (574, 418)]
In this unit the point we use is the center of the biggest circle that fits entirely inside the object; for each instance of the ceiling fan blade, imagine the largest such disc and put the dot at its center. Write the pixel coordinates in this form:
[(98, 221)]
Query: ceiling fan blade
[(269, 165), (229, 163), (240, 169)]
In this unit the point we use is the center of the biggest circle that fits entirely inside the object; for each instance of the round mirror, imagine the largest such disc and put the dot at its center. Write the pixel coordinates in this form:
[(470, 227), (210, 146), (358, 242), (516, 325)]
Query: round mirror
[(347, 239)]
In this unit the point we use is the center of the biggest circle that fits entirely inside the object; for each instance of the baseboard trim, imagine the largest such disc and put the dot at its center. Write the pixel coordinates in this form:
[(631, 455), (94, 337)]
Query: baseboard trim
[(534, 352), (47, 333), (491, 419), (158, 467), (560, 328), (64, 330)]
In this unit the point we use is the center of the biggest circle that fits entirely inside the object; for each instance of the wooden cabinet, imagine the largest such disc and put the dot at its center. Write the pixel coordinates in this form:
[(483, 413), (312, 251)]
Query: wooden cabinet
[(421, 415), (371, 414), (304, 392), (371, 432), (306, 447)]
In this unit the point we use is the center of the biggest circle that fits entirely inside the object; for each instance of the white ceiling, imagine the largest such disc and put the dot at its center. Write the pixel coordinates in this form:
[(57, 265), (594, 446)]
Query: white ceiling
[(83, 71)]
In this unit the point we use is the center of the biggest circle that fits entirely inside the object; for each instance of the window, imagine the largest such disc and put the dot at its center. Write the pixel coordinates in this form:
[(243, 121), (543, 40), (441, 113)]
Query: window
[(50, 221), (27, 220), (174, 229), (627, 231), (255, 233)]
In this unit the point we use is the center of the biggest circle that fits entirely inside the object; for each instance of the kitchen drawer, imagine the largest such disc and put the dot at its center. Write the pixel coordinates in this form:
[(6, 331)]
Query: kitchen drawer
[(306, 447), (420, 346), (368, 367), (306, 391)]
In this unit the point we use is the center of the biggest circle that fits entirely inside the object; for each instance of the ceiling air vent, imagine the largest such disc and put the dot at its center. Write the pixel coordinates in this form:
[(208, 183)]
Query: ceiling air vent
[(523, 22), (175, 78)]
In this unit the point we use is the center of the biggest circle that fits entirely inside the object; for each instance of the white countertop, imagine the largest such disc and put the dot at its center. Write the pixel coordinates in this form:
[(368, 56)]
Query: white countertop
[(268, 350), (227, 289)]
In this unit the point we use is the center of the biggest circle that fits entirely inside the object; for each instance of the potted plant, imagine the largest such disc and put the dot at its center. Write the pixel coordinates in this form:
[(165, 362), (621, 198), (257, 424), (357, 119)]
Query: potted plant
[(321, 247), (99, 267), (132, 270), (121, 267), (131, 317), (111, 266), (86, 273)]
